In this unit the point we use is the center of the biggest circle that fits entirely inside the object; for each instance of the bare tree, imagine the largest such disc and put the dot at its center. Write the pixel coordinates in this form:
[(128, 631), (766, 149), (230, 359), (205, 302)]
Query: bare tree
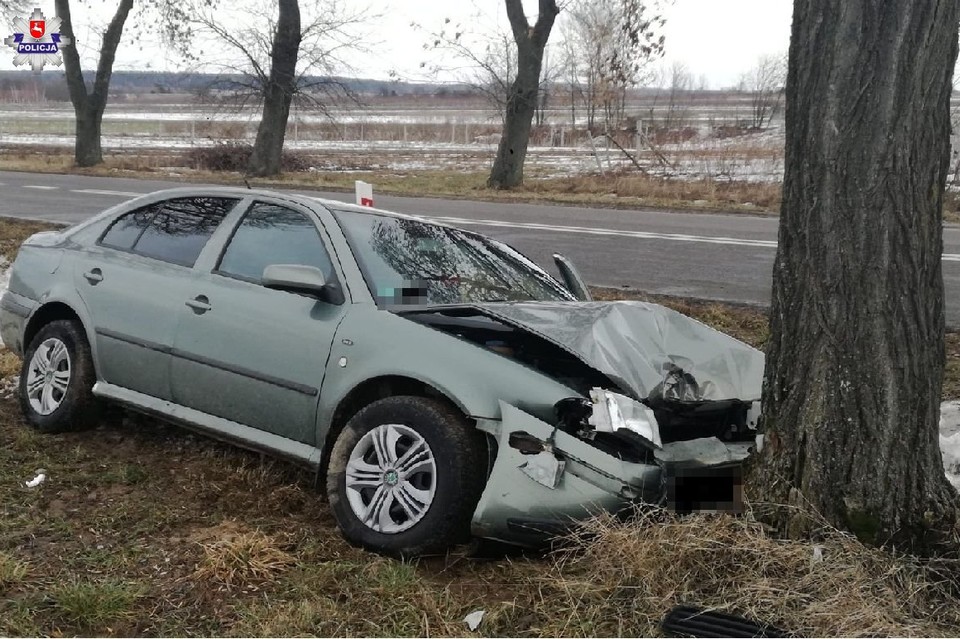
[(487, 63), (280, 58), (765, 82), (89, 102), (477, 53), (609, 47), (531, 41), (856, 354), (677, 81), (89, 105)]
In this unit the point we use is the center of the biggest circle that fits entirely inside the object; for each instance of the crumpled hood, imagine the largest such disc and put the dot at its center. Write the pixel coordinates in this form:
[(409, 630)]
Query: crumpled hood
[(650, 351)]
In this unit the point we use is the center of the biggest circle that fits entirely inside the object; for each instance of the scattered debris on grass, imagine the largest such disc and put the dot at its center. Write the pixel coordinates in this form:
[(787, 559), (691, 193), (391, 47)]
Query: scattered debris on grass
[(736, 565), (474, 619), (37, 480)]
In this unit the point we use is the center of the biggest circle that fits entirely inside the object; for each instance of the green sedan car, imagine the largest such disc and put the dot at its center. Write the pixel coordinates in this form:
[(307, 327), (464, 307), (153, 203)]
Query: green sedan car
[(442, 384)]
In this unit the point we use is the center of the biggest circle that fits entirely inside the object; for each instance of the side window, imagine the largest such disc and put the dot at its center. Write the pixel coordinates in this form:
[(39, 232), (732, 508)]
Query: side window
[(179, 231), (125, 232), (271, 234), (172, 231)]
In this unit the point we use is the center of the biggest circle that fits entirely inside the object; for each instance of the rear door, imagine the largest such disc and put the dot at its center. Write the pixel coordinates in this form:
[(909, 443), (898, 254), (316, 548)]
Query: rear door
[(250, 354), (133, 282)]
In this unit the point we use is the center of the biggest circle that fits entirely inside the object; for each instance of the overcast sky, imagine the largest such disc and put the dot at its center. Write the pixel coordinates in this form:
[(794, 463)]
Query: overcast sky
[(719, 39)]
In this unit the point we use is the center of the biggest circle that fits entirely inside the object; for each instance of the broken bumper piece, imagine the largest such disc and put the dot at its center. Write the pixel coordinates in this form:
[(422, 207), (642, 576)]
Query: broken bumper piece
[(544, 480)]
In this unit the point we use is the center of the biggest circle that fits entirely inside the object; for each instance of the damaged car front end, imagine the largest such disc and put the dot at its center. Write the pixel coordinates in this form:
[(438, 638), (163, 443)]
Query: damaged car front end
[(665, 412)]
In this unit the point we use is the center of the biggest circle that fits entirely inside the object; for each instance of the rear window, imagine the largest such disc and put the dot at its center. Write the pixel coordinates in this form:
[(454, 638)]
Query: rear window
[(173, 231)]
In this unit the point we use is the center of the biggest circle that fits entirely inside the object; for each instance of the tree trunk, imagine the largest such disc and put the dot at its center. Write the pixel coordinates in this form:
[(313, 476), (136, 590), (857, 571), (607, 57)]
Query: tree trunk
[(88, 106), (507, 171), (856, 354), (87, 150), (268, 149)]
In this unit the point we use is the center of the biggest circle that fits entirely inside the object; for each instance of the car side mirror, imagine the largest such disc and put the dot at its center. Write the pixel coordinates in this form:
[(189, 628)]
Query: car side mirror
[(305, 280), (571, 278)]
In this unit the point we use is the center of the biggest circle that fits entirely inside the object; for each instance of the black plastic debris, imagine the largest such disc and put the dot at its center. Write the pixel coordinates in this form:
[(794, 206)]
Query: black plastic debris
[(691, 621)]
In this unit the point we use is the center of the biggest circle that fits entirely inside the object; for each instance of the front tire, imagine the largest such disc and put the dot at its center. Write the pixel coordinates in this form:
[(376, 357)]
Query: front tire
[(56, 380), (405, 475)]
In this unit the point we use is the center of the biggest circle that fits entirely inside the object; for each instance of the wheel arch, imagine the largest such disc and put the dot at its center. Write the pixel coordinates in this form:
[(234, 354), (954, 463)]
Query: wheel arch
[(49, 312), (371, 390)]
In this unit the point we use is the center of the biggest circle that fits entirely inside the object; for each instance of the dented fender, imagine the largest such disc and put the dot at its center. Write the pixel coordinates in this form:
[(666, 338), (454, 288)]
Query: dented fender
[(545, 479), (518, 502)]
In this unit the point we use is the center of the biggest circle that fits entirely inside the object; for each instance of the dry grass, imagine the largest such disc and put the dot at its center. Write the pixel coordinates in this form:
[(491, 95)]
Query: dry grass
[(242, 559), (633, 189), (13, 232), (9, 363), (835, 586)]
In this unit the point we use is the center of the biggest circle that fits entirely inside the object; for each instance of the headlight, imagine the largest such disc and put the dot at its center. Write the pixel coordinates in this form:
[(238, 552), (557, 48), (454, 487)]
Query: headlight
[(612, 411)]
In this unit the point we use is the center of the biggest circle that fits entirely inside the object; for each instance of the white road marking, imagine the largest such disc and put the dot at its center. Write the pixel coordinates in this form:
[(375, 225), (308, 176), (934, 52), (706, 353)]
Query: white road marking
[(646, 235), (106, 192), (40, 188), (673, 237)]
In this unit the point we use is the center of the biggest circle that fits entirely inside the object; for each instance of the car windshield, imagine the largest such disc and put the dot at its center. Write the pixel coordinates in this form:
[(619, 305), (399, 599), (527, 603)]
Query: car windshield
[(406, 261)]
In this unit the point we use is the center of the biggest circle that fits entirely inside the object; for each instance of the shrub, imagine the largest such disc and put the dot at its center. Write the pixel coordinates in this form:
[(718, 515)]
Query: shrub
[(235, 156)]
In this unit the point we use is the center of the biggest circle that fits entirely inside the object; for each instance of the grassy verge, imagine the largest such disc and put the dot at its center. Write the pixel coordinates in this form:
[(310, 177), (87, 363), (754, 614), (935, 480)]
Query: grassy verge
[(144, 529)]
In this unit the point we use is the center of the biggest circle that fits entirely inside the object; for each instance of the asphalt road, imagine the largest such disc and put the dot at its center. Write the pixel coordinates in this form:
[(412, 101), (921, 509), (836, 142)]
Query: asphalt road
[(711, 256)]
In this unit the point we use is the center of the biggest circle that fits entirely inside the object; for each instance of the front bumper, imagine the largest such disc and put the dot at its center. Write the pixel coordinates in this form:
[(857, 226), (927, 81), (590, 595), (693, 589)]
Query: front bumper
[(533, 496)]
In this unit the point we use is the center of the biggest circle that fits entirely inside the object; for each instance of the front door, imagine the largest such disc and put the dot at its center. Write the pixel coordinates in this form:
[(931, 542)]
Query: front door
[(253, 355)]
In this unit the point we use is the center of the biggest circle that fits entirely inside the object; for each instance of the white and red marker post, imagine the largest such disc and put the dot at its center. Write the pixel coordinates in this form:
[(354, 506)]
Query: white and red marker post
[(364, 193)]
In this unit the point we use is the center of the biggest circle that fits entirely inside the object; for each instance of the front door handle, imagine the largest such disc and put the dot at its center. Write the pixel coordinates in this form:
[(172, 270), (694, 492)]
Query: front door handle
[(94, 276), (200, 304)]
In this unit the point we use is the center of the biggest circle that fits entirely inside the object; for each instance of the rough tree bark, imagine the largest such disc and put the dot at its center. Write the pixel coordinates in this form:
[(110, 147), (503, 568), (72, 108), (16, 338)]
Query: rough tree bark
[(856, 355), (89, 105), (507, 168), (278, 93)]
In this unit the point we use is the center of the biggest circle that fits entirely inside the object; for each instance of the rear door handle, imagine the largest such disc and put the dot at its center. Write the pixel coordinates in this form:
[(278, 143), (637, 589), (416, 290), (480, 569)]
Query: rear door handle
[(94, 276), (200, 304)]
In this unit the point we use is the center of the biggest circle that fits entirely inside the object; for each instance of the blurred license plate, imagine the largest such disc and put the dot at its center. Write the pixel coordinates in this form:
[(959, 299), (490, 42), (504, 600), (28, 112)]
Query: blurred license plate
[(702, 489)]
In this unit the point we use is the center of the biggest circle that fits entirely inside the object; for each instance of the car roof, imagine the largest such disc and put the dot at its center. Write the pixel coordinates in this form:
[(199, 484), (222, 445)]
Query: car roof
[(299, 198)]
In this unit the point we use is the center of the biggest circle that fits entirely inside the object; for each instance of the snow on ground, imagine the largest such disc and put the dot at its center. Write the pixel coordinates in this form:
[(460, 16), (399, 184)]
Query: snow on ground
[(950, 440)]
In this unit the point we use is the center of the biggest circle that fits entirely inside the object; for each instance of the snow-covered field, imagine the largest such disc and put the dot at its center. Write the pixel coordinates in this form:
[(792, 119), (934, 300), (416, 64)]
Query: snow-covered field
[(420, 139)]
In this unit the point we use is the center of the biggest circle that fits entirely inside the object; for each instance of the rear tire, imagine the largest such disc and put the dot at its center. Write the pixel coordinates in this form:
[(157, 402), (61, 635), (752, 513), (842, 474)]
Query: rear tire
[(405, 475), (57, 378)]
